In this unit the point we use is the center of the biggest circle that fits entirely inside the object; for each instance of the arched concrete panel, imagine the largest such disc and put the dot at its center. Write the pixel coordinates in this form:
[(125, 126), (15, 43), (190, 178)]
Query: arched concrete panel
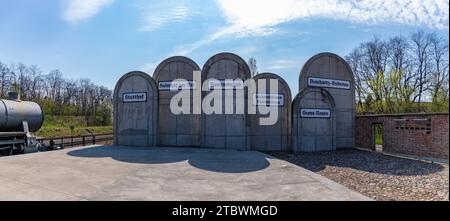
[(332, 73), (181, 129), (135, 110), (228, 131), (314, 124), (275, 137)]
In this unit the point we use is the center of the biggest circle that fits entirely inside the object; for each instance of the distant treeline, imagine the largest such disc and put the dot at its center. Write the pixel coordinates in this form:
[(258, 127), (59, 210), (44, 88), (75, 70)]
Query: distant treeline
[(58, 95), (402, 74)]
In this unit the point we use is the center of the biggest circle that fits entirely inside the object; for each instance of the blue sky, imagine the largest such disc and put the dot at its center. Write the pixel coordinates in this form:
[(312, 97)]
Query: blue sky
[(103, 39)]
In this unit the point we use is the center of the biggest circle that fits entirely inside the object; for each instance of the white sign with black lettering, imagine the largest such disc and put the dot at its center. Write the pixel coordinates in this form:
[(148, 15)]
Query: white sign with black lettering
[(177, 85), (134, 97), (268, 99), (315, 113), (329, 83), (227, 84)]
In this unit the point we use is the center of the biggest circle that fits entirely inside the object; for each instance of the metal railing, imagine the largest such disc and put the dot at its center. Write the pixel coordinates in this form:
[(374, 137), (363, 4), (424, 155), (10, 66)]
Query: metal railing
[(74, 141)]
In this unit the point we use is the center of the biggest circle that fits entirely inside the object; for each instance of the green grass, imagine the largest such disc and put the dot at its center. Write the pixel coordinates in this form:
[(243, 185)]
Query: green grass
[(58, 126), (63, 121), (379, 139), (65, 132)]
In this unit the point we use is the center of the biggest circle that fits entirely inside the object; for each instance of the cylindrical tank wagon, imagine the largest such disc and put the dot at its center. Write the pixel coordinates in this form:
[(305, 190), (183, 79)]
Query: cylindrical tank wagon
[(13, 113), (18, 119)]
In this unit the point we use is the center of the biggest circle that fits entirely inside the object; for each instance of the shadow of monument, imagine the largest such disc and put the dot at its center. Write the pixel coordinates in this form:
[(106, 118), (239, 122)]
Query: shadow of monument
[(360, 160), (215, 160)]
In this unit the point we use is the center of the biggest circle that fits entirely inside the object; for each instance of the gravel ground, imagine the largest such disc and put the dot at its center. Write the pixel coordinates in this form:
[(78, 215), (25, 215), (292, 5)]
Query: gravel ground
[(376, 175)]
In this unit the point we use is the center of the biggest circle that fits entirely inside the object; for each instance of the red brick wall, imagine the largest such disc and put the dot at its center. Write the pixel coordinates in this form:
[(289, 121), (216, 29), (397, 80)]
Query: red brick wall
[(423, 135)]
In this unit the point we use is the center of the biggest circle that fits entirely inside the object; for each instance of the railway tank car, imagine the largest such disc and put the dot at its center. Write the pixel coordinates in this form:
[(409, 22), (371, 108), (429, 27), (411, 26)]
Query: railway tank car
[(18, 119)]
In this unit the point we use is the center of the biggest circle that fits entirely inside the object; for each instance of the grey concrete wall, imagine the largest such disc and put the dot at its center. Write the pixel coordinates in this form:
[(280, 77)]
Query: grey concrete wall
[(313, 134), (331, 66), (272, 137), (225, 131), (182, 129), (135, 123)]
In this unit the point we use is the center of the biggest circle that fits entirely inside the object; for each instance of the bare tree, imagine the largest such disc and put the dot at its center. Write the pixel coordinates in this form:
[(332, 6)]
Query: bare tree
[(371, 59), (422, 60), (355, 60), (35, 82), (5, 81), (55, 81), (400, 74), (439, 54), (400, 63), (253, 67), (57, 95), (398, 56), (70, 90)]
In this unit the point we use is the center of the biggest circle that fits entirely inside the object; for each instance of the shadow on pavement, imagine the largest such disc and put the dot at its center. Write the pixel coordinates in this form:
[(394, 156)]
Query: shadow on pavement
[(223, 161)]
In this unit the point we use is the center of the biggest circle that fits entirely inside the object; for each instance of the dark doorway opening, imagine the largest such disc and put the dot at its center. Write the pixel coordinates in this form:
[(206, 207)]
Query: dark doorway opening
[(377, 130)]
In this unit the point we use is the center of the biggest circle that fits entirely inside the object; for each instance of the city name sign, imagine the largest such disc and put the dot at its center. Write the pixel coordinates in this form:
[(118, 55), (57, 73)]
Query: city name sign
[(329, 83), (177, 85), (134, 97), (268, 99), (315, 113), (228, 84)]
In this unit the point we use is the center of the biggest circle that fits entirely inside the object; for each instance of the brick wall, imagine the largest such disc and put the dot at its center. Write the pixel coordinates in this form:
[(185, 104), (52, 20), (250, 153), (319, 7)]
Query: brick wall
[(423, 135)]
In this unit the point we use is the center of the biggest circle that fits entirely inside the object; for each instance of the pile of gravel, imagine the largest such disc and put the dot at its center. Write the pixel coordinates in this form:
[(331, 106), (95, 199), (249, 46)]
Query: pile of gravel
[(376, 175)]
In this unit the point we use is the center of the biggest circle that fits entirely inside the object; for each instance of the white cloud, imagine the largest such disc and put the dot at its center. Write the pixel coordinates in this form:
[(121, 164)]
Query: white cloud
[(233, 30), (258, 14), (186, 49), (282, 64), (248, 50), (149, 67), (260, 17), (156, 20), (80, 10), (155, 14)]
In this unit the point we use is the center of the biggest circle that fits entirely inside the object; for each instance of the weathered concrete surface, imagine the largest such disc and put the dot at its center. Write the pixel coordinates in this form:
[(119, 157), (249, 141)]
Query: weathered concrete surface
[(271, 137), (313, 134), (135, 123), (127, 173), (226, 131), (181, 130), (331, 66)]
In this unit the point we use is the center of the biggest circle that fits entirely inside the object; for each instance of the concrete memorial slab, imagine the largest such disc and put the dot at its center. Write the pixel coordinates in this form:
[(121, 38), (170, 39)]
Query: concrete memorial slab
[(314, 121), (220, 110), (135, 110), (181, 129), (225, 74), (333, 74), (274, 137)]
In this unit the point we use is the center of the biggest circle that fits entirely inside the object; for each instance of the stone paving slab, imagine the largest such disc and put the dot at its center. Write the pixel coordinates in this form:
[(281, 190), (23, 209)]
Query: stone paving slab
[(132, 173)]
